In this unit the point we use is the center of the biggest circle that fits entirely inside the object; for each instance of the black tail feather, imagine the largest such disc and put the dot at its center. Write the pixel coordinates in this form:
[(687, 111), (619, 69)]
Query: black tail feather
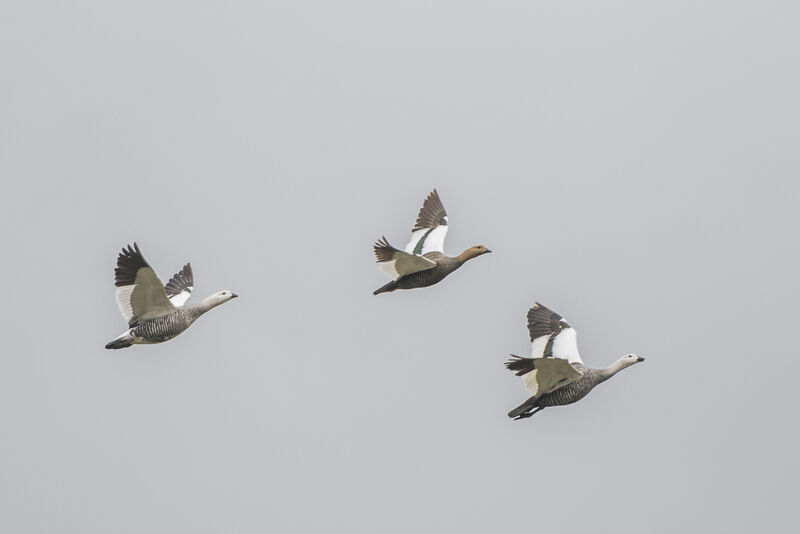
[(524, 410), (119, 344), (391, 286)]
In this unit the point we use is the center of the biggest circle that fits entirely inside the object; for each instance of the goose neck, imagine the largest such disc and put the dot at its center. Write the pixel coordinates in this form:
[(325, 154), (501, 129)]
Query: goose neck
[(205, 305), (465, 256), (611, 370)]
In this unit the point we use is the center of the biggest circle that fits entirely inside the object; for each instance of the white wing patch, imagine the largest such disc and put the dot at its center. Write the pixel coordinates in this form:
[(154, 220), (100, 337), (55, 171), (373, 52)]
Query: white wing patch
[(565, 346), (124, 301), (433, 240), (181, 298), (538, 345), (404, 263)]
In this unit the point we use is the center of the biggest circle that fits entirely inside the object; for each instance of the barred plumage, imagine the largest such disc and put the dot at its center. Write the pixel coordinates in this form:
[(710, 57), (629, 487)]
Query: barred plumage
[(423, 262), (555, 374), (165, 328), (155, 313), (444, 266), (574, 391)]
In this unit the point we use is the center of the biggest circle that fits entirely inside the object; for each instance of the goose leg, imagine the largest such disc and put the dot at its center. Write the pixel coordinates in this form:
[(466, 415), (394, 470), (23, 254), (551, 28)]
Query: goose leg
[(528, 414)]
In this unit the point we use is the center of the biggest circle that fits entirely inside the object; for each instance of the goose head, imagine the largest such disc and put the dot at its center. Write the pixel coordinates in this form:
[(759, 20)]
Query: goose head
[(630, 359), (220, 297), (473, 252)]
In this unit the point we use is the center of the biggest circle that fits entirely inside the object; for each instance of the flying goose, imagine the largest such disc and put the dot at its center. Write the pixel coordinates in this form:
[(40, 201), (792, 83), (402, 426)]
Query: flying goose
[(423, 262), (555, 373), (155, 312)]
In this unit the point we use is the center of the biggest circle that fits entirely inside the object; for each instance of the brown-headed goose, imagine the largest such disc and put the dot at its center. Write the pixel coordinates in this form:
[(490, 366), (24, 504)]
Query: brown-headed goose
[(423, 262)]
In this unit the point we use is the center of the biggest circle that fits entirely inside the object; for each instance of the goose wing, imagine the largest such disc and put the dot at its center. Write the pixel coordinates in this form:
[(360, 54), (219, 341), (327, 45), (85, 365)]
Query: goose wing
[(551, 335), (180, 286), (543, 375), (140, 294), (396, 263), (430, 229)]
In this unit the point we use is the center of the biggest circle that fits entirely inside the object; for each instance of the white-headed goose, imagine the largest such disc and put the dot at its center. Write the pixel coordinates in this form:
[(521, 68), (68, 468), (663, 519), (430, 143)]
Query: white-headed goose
[(155, 313), (555, 373)]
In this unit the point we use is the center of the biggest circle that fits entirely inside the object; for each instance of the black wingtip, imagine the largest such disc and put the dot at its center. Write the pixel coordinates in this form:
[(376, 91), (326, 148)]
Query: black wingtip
[(432, 212), (383, 250), (129, 261), (382, 242), (180, 281), (520, 365), (542, 321)]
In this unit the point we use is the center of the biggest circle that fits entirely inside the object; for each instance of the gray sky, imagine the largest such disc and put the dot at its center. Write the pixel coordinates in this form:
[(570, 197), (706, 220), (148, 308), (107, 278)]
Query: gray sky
[(632, 166)]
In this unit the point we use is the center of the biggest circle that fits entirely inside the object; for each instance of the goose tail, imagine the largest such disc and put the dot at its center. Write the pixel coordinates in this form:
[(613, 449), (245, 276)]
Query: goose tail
[(123, 341), (391, 286), (522, 411)]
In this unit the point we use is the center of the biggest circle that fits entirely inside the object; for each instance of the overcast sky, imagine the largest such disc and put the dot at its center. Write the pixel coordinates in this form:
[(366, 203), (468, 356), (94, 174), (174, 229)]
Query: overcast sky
[(633, 166)]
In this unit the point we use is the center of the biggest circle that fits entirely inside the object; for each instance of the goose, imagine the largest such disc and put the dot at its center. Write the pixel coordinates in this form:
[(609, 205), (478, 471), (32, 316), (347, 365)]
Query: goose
[(423, 262), (555, 373), (155, 312)]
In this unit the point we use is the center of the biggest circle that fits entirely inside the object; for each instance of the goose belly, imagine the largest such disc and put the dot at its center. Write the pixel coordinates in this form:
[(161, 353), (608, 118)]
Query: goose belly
[(160, 329), (421, 279), (568, 394), (444, 266)]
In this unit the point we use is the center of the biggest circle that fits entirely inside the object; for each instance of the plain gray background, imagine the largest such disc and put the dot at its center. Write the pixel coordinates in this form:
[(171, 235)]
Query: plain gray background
[(632, 165)]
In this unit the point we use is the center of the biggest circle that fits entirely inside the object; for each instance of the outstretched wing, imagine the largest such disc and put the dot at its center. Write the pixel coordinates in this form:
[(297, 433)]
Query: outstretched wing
[(396, 263), (180, 286), (551, 335), (431, 227), (140, 294), (543, 375)]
